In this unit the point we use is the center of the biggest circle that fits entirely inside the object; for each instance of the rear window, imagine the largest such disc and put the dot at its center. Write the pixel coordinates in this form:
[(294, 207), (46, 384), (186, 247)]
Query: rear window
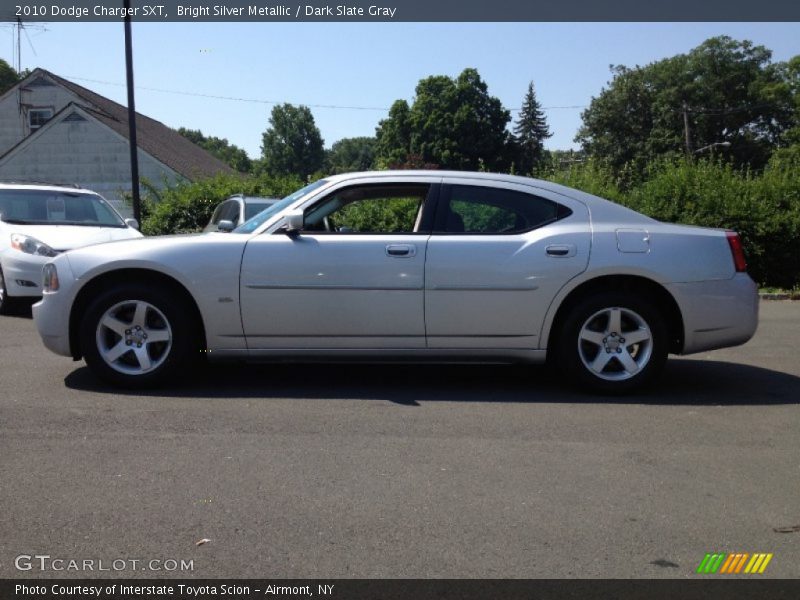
[(491, 210), (44, 207)]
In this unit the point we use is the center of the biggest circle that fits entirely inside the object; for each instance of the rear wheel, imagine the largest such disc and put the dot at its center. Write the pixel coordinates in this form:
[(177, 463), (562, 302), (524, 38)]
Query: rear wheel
[(138, 337), (613, 343)]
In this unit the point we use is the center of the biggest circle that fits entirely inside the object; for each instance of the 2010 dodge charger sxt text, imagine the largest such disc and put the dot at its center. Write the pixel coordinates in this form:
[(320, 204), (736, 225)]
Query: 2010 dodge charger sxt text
[(408, 265)]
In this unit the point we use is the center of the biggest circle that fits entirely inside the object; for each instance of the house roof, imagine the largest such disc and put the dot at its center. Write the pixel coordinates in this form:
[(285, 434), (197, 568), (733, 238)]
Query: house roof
[(162, 142)]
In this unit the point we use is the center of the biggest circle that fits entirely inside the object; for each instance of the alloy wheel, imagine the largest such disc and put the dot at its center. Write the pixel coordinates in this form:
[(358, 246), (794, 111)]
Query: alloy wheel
[(133, 337), (615, 344)]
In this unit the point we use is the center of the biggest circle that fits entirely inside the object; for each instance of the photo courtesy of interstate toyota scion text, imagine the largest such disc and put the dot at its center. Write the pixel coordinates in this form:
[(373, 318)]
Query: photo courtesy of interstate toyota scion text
[(408, 265)]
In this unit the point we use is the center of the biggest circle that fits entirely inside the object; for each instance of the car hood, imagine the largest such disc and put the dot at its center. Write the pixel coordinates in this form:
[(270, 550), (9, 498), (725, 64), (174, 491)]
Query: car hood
[(67, 237)]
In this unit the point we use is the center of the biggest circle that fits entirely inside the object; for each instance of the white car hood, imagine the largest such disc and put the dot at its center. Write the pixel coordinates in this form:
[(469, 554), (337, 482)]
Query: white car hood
[(67, 237)]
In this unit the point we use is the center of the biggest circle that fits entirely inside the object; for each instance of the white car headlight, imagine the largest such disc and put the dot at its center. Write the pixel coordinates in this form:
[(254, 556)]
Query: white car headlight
[(30, 245)]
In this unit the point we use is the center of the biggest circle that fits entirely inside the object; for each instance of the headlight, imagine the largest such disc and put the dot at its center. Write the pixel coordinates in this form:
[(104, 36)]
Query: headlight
[(50, 278), (30, 245)]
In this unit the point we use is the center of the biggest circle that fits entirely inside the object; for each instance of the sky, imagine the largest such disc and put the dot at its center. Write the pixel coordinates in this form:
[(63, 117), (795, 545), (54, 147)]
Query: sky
[(349, 74)]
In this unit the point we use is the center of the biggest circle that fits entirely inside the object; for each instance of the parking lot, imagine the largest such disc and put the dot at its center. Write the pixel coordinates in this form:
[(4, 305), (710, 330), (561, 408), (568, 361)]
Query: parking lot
[(401, 470)]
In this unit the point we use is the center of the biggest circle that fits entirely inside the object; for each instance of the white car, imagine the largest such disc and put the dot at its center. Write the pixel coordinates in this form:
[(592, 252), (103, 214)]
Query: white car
[(426, 265), (37, 222)]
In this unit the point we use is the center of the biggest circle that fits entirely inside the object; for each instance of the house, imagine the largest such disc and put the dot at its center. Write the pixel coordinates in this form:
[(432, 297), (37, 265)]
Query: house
[(55, 131)]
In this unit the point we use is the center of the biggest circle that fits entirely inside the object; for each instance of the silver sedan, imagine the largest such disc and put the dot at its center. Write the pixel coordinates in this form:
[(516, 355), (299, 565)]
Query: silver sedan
[(427, 265)]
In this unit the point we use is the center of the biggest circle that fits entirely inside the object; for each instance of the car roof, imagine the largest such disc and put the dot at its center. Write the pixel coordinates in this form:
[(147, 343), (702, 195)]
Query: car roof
[(44, 187), (601, 208), (252, 199)]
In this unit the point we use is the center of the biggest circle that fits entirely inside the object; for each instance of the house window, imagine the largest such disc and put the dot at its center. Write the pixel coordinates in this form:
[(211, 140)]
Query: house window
[(38, 117)]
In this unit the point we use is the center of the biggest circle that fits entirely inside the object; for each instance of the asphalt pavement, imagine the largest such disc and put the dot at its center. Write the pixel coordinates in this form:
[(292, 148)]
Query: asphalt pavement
[(321, 471)]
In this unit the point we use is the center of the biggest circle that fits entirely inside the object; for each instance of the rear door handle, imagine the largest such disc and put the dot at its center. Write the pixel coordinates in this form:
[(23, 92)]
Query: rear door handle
[(561, 250), (401, 250)]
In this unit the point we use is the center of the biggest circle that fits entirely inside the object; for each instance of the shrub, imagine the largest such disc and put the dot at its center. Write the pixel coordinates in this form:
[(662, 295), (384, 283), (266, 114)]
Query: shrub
[(186, 207), (763, 207)]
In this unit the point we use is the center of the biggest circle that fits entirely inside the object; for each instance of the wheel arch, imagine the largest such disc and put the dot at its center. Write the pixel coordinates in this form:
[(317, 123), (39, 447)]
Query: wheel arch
[(634, 284), (128, 275)]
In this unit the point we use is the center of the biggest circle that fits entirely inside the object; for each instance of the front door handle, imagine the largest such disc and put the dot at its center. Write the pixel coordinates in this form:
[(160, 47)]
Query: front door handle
[(401, 250), (561, 250)]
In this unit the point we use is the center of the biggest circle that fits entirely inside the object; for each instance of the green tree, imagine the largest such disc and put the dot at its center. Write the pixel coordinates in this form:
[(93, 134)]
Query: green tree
[(8, 76), (724, 91), (791, 75), (393, 135), (293, 144), (530, 132), (351, 154), (453, 122), (221, 148)]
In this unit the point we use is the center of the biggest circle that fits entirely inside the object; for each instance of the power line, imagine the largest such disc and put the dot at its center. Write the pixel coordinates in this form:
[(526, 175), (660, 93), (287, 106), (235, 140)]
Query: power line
[(263, 101), (230, 98)]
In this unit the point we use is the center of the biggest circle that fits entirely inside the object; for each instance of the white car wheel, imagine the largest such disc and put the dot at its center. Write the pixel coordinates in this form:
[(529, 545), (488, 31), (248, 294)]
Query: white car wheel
[(6, 304)]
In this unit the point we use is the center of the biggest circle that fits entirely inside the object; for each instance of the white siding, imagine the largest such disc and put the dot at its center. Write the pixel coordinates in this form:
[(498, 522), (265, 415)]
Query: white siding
[(87, 153), (14, 107)]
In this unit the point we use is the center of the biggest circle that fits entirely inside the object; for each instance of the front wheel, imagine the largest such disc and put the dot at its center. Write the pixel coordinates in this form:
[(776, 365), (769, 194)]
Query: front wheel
[(613, 343), (7, 305), (137, 337)]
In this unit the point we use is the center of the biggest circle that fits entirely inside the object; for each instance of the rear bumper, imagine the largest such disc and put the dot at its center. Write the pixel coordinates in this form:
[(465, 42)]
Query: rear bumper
[(717, 314)]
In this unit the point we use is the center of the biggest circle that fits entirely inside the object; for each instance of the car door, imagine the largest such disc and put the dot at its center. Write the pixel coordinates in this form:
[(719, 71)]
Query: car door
[(353, 278), (498, 255)]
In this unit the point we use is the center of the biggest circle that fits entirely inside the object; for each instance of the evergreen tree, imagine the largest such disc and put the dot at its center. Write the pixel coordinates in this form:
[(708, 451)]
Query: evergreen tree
[(530, 130)]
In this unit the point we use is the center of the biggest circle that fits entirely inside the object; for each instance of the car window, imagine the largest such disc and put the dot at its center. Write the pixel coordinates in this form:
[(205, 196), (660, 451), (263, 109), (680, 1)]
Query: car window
[(230, 212), (251, 209), (490, 210), (46, 207), (252, 224), (369, 209), (216, 217)]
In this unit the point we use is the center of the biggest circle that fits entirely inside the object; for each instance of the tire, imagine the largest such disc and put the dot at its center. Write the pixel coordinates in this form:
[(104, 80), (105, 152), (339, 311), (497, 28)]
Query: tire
[(138, 337), (613, 343), (7, 305)]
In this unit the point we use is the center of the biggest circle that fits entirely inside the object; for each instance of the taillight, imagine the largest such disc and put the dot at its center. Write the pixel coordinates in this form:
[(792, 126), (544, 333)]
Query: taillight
[(735, 242)]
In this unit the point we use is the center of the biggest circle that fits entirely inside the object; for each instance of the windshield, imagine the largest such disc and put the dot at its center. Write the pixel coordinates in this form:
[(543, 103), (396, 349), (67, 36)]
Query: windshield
[(251, 225), (47, 207)]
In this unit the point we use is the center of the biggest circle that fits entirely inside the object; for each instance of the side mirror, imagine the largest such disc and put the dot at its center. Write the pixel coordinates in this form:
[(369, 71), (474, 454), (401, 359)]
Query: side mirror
[(293, 222), (225, 226), (132, 223)]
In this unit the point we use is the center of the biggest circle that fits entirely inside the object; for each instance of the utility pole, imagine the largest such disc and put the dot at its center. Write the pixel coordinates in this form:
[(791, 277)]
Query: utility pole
[(137, 202), (19, 46), (686, 131)]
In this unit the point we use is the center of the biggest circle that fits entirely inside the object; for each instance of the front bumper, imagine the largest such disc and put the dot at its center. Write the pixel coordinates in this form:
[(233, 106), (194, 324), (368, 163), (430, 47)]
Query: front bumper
[(23, 273), (51, 314), (717, 314)]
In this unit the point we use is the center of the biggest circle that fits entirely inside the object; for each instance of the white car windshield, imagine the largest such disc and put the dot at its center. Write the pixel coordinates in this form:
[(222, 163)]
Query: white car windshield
[(251, 225), (48, 207)]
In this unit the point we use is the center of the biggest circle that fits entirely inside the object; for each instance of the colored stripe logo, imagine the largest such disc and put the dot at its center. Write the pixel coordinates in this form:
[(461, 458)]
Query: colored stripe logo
[(734, 563)]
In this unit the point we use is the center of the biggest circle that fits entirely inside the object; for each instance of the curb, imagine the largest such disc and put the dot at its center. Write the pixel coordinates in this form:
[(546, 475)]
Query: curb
[(780, 296)]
